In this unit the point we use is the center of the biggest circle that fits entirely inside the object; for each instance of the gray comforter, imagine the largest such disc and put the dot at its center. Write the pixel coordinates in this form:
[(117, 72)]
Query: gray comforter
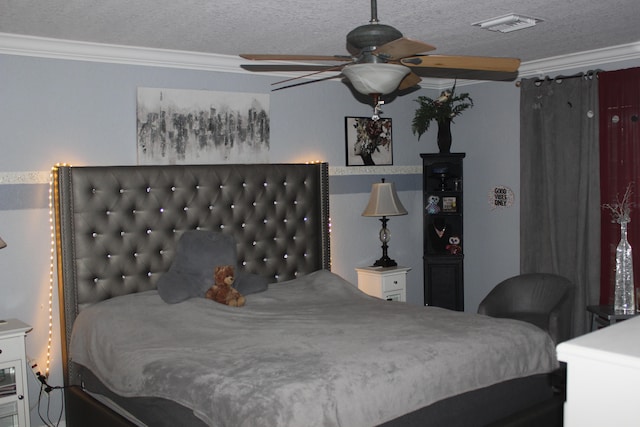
[(310, 352)]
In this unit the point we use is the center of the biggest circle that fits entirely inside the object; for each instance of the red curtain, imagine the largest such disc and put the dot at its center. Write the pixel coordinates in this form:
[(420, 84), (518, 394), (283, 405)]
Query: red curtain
[(619, 110)]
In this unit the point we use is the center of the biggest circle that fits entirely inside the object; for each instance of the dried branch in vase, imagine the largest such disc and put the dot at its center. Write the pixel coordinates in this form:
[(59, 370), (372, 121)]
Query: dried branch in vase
[(621, 209)]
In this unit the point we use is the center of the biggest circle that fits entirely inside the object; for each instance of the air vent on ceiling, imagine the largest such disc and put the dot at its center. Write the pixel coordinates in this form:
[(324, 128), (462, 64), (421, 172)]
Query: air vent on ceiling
[(507, 23)]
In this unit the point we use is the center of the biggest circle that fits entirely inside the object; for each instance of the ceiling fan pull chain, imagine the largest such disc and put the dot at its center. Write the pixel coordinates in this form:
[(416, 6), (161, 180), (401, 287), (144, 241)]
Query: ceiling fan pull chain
[(377, 108)]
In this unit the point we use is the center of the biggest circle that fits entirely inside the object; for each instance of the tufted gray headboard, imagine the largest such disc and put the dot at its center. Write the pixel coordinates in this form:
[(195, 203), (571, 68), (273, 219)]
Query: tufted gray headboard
[(117, 226)]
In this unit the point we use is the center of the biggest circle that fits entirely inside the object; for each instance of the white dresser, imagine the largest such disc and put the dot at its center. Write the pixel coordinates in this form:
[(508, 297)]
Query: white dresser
[(603, 376)]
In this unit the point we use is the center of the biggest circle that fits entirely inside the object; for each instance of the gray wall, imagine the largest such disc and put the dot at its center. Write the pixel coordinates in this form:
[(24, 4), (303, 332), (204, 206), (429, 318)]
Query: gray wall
[(84, 113)]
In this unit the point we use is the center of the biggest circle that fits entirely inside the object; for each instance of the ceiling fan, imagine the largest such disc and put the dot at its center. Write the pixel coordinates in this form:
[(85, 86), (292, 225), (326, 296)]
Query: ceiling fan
[(381, 60)]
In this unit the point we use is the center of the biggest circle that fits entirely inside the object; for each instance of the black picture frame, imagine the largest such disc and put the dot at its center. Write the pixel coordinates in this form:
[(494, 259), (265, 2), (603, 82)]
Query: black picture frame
[(449, 204), (368, 142)]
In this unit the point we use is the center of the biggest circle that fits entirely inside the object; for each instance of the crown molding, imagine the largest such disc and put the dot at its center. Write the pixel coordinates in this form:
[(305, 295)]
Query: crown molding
[(581, 60), (15, 44)]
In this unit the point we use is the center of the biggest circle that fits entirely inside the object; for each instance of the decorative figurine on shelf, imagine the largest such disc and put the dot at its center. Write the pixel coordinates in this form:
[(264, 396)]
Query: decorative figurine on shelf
[(432, 205), (454, 247)]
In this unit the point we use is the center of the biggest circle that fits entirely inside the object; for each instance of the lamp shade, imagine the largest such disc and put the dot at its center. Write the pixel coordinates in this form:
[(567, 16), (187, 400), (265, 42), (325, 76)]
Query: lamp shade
[(2, 243), (384, 201), (379, 78)]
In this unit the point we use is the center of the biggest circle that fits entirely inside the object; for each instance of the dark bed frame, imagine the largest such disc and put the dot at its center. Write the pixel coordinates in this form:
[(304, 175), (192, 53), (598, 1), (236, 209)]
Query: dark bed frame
[(117, 227)]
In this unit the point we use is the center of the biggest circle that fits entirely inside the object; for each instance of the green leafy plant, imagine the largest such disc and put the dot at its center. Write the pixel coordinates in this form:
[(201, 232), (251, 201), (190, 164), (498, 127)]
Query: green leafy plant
[(444, 108)]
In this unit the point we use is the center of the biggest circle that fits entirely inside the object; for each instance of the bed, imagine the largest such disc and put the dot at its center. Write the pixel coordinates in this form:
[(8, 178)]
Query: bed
[(306, 349)]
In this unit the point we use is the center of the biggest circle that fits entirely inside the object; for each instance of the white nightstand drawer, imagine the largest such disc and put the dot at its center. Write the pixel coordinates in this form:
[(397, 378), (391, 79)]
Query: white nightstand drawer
[(393, 282), (11, 348), (394, 296), (385, 283)]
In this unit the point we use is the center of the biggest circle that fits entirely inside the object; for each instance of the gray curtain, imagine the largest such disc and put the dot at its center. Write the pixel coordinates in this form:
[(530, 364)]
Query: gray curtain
[(559, 185)]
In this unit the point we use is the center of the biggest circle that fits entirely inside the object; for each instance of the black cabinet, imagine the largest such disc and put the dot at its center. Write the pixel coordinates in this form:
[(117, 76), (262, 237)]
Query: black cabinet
[(443, 237)]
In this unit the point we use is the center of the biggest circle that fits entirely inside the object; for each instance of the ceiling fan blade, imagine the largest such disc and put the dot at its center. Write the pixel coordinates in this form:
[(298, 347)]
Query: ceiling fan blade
[(265, 68), (411, 80), (276, 57), (455, 73), (307, 82), (483, 63), (336, 68), (401, 48)]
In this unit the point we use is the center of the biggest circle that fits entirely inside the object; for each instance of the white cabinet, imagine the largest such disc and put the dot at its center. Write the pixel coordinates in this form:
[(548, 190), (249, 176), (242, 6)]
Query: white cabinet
[(603, 374), (388, 283), (14, 398)]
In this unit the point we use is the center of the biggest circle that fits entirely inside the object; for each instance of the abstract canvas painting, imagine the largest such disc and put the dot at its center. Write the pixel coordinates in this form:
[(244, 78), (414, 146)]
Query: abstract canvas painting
[(176, 126)]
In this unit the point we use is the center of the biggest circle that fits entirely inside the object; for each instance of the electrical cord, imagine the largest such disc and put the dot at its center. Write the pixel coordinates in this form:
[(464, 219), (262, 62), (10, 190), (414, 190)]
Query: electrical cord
[(46, 388), (45, 391)]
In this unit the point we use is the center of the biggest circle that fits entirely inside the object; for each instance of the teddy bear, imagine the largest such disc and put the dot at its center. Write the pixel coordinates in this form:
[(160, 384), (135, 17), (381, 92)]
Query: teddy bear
[(222, 291)]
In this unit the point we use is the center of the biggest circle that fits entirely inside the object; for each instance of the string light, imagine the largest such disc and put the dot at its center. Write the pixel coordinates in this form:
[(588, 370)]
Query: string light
[(52, 260)]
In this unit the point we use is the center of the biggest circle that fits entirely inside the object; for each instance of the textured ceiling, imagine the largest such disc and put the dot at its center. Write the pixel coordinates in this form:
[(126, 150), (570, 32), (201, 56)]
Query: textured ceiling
[(303, 27)]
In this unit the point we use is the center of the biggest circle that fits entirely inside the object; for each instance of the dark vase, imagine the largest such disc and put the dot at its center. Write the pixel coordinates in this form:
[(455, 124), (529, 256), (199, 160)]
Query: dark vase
[(367, 160), (444, 136)]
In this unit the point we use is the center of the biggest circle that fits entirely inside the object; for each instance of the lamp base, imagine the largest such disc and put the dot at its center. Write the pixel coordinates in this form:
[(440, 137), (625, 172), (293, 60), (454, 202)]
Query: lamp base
[(385, 261), (385, 236)]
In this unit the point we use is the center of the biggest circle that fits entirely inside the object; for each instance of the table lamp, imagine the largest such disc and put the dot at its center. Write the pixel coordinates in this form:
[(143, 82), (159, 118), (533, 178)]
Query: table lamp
[(384, 202)]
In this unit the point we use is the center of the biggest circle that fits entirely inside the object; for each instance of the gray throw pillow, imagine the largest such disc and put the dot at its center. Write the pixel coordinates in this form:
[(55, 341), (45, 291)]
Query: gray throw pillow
[(249, 283), (198, 252)]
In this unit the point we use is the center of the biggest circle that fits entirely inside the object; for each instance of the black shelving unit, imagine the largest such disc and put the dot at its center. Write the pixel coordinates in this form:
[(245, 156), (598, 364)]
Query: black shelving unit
[(443, 235)]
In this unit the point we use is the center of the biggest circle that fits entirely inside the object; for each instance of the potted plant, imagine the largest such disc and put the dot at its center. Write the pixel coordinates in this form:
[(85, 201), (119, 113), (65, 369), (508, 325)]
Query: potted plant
[(441, 110)]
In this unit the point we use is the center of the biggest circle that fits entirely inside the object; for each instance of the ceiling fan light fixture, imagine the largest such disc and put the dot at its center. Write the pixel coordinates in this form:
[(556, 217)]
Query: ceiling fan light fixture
[(375, 78), (507, 23)]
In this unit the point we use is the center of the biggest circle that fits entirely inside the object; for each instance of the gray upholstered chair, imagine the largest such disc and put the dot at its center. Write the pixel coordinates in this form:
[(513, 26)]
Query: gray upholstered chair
[(545, 300)]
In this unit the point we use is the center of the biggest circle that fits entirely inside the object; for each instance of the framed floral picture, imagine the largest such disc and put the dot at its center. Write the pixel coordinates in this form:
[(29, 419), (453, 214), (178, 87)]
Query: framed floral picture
[(368, 141)]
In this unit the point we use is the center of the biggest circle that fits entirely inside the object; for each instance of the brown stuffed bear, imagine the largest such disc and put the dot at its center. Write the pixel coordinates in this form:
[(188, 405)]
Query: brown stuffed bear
[(222, 291)]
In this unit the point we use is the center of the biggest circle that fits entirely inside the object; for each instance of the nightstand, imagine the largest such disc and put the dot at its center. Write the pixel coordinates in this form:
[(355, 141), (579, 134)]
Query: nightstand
[(14, 398), (605, 315), (388, 283)]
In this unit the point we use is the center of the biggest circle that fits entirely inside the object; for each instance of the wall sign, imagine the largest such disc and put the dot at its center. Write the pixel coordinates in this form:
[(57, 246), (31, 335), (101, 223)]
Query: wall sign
[(501, 197)]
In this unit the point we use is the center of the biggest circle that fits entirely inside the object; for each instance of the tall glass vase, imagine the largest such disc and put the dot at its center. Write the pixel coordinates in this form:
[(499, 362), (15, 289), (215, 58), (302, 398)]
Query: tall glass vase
[(624, 294)]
